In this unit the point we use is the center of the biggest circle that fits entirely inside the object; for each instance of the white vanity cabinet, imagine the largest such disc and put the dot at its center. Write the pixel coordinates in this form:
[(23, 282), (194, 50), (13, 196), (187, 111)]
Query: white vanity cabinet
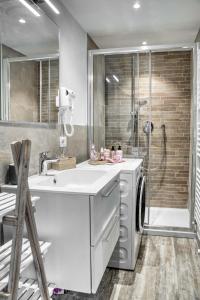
[(82, 222), (83, 230), (105, 229)]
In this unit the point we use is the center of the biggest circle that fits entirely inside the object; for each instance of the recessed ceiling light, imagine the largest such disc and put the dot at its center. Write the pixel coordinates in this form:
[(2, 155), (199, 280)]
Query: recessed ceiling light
[(185, 47), (136, 5), (22, 21), (107, 80), (30, 7), (52, 6), (116, 78), (144, 43)]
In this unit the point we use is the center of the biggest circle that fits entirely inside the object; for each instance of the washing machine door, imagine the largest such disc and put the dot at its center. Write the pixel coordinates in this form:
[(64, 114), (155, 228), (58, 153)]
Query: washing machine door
[(140, 204)]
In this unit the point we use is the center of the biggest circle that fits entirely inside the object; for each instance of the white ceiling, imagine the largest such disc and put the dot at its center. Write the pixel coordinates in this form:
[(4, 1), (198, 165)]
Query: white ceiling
[(114, 23)]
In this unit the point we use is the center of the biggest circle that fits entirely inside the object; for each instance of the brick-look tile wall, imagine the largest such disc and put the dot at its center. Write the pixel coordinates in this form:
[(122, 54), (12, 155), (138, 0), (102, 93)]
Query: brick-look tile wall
[(171, 106), (54, 85), (99, 101), (24, 91), (118, 99)]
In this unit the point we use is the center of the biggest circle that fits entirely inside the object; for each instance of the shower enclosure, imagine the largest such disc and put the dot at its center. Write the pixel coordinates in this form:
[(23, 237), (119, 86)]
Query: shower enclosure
[(142, 99)]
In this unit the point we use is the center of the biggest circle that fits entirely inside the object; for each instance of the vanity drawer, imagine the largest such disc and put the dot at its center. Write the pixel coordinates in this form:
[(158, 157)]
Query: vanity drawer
[(102, 252), (103, 206)]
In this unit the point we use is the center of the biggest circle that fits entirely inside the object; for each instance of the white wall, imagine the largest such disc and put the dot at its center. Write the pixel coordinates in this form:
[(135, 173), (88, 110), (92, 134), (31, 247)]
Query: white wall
[(73, 60)]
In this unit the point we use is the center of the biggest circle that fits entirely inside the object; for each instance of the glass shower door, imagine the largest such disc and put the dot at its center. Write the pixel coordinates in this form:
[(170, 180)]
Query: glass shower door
[(145, 125), (169, 158)]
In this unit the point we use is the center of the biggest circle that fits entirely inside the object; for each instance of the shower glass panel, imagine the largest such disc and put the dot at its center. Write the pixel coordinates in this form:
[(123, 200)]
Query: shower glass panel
[(170, 140), (125, 94), (120, 119), (142, 101), (122, 105), (145, 125)]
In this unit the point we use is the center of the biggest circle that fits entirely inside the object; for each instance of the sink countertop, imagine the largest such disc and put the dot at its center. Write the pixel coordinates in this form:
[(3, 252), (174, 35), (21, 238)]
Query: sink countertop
[(86, 189), (111, 171), (129, 165)]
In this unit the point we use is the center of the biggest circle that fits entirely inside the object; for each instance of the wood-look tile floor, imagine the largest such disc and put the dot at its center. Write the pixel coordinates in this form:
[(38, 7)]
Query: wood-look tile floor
[(167, 269)]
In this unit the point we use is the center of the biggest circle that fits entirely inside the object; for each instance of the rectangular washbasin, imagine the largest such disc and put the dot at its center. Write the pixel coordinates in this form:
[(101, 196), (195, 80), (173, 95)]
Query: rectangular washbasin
[(72, 178)]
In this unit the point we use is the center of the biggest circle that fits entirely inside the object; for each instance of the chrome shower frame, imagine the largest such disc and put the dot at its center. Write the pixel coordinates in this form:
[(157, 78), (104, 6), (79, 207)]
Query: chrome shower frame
[(164, 231)]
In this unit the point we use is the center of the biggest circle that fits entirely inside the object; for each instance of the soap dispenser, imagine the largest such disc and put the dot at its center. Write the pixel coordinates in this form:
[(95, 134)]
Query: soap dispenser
[(113, 154), (119, 154), (93, 153)]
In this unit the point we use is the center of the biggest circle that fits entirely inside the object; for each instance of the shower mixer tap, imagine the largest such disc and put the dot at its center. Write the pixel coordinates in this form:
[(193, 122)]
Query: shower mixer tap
[(148, 127)]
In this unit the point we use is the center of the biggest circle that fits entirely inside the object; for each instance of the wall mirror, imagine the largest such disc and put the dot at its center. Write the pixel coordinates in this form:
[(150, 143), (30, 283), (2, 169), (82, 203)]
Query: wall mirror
[(29, 64)]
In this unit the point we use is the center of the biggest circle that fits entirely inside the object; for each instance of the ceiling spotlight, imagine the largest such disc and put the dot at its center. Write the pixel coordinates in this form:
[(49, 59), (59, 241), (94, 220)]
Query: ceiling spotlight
[(52, 6), (116, 78), (136, 5), (144, 43), (22, 21), (107, 80), (30, 7)]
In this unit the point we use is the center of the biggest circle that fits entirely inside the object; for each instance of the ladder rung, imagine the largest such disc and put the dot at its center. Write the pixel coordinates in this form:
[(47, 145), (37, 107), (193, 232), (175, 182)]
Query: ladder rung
[(28, 290), (26, 259), (11, 220), (7, 203)]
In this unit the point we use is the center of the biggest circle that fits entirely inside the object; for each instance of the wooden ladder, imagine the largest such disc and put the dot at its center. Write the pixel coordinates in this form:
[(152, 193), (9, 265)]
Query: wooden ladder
[(23, 213)]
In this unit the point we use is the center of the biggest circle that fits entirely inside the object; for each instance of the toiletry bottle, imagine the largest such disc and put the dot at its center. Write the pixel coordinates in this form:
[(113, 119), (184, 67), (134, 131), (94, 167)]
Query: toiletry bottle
[(106, 154), (113, 152), (93, 153), (119, 154), (102, 154)]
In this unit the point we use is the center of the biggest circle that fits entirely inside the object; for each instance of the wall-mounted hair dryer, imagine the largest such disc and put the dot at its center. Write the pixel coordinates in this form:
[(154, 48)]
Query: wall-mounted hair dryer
[(65, 102)]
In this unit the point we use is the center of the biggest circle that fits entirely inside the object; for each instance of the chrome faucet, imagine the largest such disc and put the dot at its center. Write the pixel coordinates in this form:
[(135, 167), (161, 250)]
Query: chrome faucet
[(44, 161), (42, 157), (45, 165)]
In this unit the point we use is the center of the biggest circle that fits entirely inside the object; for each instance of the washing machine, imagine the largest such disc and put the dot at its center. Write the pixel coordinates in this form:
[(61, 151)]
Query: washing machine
[(132, 215)]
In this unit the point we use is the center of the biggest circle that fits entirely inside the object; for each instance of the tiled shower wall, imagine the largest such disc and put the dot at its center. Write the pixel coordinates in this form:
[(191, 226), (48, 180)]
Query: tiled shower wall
[(25, 88), (24, 78), (99, 101), (50, 77), (118, 100), (170, 149), (170, 106)]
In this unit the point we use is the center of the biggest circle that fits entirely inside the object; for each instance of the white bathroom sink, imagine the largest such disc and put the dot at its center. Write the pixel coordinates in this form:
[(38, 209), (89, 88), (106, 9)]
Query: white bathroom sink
[(73, 181), (73, 178)]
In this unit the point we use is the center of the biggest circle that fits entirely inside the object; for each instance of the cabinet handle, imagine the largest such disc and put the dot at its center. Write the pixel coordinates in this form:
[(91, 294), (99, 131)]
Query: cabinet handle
[(109, 233), (111, 189)]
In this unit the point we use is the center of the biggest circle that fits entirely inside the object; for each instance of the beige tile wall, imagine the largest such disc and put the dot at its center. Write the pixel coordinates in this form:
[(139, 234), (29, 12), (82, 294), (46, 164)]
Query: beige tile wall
[(50, 78), (24, 94), (170, 106)]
